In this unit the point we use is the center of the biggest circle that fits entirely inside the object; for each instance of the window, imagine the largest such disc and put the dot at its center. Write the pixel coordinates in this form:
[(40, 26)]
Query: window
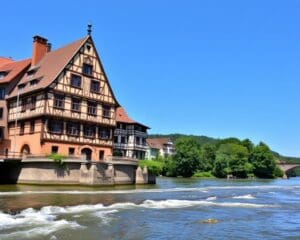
[(116, 139), (2, 74), (123, 140), (55, 126), (106, 111), (22, 128), (2, 93), (59, 101), (23, 104), (32, 102), (71, 151), (89, 131), (33, 82), (1, 113), (101, 155), (92, 108), (95, 86), (87, 69), (32, 124), (104, 133), (21, 86), (75, 81), (73, 128), (75, 105), (54, 149), (137, 140)]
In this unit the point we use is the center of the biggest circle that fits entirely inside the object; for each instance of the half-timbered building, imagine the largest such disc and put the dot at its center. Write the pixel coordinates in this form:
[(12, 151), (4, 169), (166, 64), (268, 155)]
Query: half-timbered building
[(10, 73), (129, 136), (63, 103)]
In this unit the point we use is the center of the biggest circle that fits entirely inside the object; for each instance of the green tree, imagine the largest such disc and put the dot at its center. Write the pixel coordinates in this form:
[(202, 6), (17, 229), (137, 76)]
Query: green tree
[(263, 161), (208, 156), (233, 158), (248, 144), (187, 156)]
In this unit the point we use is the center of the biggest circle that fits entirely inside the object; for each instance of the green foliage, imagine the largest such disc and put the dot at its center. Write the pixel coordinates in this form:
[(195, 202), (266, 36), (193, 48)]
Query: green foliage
[(200, 139), (169, 167), (154, 167), (263, 161), (232, 159), (207, 156), (221, 168), (199, 174), (239, 158), (58, 158), (278, 172), (187, 156)]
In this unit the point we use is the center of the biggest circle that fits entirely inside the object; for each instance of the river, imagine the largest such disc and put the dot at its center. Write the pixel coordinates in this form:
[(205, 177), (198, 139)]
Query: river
[(171, 209)]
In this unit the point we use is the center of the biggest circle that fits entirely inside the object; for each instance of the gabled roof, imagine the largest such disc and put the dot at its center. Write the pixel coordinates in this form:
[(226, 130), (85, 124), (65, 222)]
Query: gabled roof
[(4, 60), (13, 69), (48, 69), (121, 116), (157, 143)]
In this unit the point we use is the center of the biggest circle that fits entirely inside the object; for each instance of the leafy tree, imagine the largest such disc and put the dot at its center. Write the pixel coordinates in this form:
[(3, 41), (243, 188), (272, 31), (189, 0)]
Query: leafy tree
[(248, 144), (235, 157), (208, 156), (187, 156), (220, 169), (263, 161)]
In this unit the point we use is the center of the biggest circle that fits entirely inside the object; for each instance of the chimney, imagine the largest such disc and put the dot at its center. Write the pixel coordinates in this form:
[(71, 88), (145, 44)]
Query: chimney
[(39, 50), (49, 46)]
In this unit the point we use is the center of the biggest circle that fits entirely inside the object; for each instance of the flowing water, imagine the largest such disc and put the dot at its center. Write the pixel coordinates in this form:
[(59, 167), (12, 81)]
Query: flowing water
[(171, 209)]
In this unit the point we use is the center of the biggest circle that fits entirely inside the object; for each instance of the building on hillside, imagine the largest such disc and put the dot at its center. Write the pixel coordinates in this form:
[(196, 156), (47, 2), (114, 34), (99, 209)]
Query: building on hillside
[(159, 147), (129, 136), (63, 103), (10, 74)]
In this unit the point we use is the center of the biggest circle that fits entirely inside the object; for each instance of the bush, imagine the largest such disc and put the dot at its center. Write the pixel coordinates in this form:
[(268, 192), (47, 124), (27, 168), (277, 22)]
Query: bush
[(58, 158), (154, 167), (199, 174), (278, 172)]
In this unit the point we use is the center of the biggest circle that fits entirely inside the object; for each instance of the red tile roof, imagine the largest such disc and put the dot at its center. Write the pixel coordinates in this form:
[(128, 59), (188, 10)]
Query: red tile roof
[(157, 143), (50, 66), (13, 69), (4, 60), (121, 116)]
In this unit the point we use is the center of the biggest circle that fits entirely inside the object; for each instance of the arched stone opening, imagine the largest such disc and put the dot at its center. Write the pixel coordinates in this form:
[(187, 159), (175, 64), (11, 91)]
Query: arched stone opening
[(86, 154)]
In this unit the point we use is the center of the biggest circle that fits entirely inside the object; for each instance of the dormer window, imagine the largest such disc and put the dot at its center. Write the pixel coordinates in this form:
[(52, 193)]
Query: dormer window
[(33, 82), (87, 69), (21, 86), (3, 74), (32, 71)]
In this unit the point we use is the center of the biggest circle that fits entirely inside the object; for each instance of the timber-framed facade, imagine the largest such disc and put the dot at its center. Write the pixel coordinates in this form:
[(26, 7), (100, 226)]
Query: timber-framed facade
[(63, 104)]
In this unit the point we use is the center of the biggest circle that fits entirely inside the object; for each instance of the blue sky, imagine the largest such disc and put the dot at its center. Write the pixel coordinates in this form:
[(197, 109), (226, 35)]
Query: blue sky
[(215, 68)]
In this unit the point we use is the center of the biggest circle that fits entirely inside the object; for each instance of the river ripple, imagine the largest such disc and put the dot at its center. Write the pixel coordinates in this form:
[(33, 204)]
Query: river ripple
[(171, 209)]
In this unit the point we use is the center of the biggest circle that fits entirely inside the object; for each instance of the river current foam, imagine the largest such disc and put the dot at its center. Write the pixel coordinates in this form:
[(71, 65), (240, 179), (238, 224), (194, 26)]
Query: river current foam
[(201, 189)]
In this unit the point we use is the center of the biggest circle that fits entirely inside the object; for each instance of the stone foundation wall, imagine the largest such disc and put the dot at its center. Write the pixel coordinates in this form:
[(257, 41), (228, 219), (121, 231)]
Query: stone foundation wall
[(45, 171)]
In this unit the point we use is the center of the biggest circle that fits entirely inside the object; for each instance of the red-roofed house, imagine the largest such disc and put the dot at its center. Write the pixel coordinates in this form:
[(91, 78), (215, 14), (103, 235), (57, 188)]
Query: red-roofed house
[(159, 147), (63, 103), (10, 74), (129, 136)]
